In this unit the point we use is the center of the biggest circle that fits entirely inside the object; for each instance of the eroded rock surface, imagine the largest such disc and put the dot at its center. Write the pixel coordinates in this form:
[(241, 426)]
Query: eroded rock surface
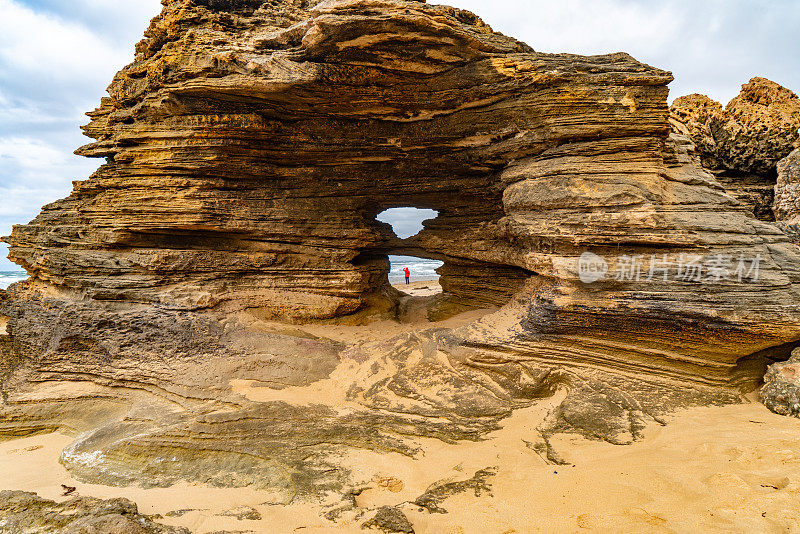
[(743, 142), (437, 493), (390, 519), (168, 321), (781, 390), (751, 134), (27, 513), (787, 193)]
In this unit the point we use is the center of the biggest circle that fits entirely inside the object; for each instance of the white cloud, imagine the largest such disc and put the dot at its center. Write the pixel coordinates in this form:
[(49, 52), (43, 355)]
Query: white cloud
[(38, 173), (711, 46), (581, 26), (56, 59), (114, 20), (31, 155), (35, 44)]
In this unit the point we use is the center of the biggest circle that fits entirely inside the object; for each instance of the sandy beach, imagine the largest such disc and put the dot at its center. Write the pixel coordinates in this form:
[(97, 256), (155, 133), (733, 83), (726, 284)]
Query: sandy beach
[(734, 468), (721, 469), (422, 288)]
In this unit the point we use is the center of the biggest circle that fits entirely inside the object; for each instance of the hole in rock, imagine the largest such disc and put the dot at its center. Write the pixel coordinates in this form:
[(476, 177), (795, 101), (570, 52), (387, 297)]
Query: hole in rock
[(423, 272), (436, 245), (406, 222), (750, 370), (421, 294)]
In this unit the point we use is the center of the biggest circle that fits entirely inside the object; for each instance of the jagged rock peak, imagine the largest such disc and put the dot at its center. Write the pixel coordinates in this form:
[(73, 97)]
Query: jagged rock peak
[(757, 128)]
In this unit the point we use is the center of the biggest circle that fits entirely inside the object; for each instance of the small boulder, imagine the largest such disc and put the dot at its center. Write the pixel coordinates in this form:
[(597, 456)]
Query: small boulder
[(390, 519), (781, 391)]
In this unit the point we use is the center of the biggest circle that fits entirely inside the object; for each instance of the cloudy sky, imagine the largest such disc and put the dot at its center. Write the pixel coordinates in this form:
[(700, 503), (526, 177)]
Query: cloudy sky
[(57, 57)]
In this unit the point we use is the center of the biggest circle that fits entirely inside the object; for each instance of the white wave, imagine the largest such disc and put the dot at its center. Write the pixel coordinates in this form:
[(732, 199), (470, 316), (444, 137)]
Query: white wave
[(421, 269), (9, 277)]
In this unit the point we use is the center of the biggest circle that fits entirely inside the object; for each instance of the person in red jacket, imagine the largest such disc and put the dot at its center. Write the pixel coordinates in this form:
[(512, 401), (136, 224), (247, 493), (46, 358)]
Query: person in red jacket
[(407, 272)]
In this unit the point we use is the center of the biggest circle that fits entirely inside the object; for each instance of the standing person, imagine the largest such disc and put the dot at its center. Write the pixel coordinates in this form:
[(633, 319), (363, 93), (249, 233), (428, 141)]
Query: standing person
[(407, 272)]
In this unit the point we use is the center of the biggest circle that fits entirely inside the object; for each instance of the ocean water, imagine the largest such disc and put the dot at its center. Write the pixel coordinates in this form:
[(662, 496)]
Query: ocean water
[(9, 277), (421, 269)]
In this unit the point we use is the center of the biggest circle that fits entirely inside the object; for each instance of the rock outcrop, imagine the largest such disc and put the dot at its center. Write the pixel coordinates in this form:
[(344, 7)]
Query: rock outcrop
[(751, 134), (24, 513), (743, 142), (781, 390), (787, 191), (248, 149), (389, 519)]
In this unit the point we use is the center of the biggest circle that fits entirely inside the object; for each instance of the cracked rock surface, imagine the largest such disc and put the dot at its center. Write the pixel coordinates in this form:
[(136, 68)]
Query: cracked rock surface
[(27, 513)]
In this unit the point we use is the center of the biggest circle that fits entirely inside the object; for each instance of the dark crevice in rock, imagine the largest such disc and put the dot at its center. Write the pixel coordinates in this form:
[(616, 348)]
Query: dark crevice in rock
[(750, 370)]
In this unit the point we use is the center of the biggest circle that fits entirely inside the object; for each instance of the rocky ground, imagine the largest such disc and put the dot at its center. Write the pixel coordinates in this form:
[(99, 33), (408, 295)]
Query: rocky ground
[(423, 288), (718, 469)]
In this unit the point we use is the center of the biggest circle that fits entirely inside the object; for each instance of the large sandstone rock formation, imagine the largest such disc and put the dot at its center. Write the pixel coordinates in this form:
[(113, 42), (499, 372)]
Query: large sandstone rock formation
[(248, 149)]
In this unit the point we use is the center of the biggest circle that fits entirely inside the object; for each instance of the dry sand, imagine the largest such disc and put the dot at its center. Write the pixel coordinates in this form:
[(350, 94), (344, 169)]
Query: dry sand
[(424, 288), (721, 469)]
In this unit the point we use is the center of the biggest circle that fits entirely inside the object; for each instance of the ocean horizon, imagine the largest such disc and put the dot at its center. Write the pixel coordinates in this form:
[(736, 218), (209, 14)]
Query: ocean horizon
[(421, 268)]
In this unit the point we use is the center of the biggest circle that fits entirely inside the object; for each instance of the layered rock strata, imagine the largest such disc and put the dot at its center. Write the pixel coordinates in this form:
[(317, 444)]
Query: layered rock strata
[(250, 146), (248, 149)]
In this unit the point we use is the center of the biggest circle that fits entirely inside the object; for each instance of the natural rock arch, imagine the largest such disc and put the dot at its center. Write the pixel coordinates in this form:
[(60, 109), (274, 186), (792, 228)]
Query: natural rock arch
[(250, 145)]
